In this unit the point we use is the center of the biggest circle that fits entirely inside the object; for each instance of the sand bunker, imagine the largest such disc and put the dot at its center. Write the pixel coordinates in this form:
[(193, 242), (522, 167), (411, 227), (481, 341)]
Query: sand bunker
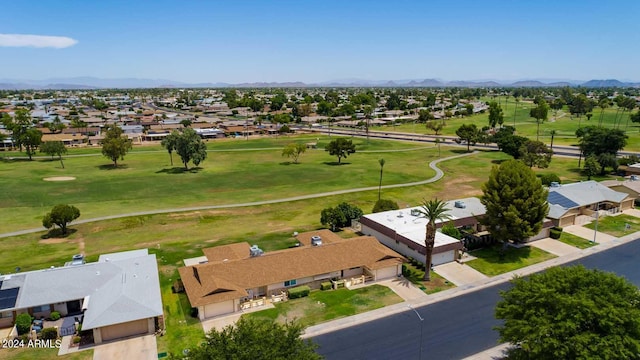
[(59, 178)]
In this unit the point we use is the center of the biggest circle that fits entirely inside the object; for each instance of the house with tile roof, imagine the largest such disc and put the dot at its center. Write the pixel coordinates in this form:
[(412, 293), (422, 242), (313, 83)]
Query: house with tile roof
[(118, 296), (228, 277)]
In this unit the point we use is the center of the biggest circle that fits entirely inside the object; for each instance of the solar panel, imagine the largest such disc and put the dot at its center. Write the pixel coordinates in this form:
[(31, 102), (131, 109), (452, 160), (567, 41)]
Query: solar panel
[(8, 298), (558, 199)]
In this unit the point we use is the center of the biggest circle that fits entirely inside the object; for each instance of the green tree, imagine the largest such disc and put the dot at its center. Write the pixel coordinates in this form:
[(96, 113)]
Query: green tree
[(54, 148), (496, 116), (251, 339), (607, 160), (169, 143), (425, 115), (294, 150), (332, 217), (570, 313), (451, 230), (31, 140), (540, 113), (393, 102), (432, 210), (56, 125), (324, 108), (385, 205), (591, 166), (515, 202), (341, 148), (468, 133), (535, 153), (190, 147), (435, 126), (61, 215), (115, 144), (469, 109), (185, 122)]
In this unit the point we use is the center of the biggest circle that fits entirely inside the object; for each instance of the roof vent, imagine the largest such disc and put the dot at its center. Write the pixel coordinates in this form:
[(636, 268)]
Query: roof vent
[(415, 212), (254, 250), (316, 240), (634, 178), (77, 259), (460, 204), (554, 184), (400, 214)]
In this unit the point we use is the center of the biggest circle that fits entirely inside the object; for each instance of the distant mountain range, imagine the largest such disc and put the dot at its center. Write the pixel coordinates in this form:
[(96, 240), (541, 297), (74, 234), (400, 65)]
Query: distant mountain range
[(128, 83)]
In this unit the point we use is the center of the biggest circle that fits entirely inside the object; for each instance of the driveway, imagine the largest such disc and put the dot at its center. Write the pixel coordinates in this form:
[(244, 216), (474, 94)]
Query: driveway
[(583, 232), (139, 348), (554, 247), (459, 274), (404, 288)]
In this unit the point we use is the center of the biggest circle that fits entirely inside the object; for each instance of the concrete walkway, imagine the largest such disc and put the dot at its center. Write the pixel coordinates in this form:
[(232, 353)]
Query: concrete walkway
[(459, 274), (585, 233), (554, 246), (404, 288), (433, 165), (632, 212)]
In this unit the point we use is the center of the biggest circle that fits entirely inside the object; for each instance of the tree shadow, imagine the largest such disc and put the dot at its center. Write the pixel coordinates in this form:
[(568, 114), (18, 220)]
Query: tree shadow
[(460, 151), (335, 163), (10, 159), (498, 161), (289, 163), (110, 167), (57, 233), (179, 170)]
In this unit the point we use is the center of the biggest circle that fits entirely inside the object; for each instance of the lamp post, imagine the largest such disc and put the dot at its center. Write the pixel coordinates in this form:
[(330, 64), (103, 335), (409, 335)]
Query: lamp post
[(421, 327), (595, 231)]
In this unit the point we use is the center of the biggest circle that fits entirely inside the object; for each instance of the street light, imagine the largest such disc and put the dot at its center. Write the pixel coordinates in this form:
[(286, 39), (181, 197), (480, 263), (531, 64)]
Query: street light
[(421, 327), (595, 231)]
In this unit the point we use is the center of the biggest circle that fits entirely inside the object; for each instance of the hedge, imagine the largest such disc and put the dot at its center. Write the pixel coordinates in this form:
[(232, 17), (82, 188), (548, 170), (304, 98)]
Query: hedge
[(23, 323), (55, 315), (555, 232), (49, 333), (298, 292), (326, 285)]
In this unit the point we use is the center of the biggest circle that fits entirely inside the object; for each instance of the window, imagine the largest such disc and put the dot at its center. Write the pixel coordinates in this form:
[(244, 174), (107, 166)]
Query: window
[(43, 308), (290, 282), (6, 314)]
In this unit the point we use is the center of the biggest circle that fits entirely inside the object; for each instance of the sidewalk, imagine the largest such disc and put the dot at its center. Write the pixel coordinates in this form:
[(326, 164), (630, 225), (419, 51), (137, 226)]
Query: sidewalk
[(555, 247)]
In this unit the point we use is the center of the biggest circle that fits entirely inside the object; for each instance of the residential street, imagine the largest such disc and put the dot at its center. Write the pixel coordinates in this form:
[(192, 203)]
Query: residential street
[(453, 328)]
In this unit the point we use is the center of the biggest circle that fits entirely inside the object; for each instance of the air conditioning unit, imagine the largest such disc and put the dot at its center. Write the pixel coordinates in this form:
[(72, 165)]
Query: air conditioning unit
[(460, 204), (316, 240)]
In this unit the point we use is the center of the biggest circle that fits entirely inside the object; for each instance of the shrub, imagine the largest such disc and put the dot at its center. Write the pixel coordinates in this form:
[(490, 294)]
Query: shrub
[(449, 229), (298, 292), (325, 285), (385, 205), (194, 312), (23, 323), (547, 179), (55, 315), (76, 339), (49, 333), (555, 232)]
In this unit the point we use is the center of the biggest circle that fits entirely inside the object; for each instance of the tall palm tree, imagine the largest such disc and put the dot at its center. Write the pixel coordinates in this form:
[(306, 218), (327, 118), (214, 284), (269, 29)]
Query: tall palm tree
[(432, 210), (381, 162), (603, 104)]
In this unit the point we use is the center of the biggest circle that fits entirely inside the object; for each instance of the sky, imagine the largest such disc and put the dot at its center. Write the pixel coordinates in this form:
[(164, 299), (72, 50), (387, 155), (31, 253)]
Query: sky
[(319, 41)]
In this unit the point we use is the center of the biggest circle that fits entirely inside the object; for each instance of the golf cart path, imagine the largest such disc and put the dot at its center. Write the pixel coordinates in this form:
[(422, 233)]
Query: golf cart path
[(433, 165)]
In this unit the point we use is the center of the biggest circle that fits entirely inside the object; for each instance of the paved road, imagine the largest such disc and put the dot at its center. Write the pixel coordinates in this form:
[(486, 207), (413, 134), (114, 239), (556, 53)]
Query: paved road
[(433, 165), (454, 328)]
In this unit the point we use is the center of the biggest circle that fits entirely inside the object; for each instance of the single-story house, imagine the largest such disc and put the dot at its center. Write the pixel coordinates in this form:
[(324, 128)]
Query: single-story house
[(117, 296), (230, 277), (404, 230), (569, 201), (630, 186)]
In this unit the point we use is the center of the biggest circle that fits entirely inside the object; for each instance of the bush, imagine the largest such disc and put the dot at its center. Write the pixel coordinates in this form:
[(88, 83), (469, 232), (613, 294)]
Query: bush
[(385, 205), (76, 339), (547, 179), (49, 333), (298, 292), (23, 323), (326, 285), (55, 315), (555, 232), (194, 312), (449, 229)]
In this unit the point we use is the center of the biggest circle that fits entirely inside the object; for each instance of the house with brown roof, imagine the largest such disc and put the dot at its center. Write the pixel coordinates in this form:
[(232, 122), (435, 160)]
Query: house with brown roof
[(229, 278)]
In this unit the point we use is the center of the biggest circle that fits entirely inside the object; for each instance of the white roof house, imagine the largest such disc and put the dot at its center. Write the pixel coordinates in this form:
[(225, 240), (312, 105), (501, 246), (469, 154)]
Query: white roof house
[(121, 288)]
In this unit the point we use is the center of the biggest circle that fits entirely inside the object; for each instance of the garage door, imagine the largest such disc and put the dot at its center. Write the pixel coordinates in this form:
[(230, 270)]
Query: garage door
[(566, 221), (125, 329), (386, 273), (217, 309), (442, 258)]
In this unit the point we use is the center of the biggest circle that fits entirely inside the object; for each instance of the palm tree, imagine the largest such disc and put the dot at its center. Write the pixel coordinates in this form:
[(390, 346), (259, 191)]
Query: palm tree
[(603, 104), (432, 210), (553, 135), (381, 162)]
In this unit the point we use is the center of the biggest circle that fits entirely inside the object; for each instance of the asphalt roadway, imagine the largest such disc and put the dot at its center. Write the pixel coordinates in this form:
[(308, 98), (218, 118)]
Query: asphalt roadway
[(453, 328)]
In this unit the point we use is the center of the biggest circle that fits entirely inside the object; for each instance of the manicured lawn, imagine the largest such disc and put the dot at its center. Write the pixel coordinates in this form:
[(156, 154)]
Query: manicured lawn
[(615, 225), (415, 275), (321, 306), (41, 353), (489, 263), (146, 180), (576, 241)]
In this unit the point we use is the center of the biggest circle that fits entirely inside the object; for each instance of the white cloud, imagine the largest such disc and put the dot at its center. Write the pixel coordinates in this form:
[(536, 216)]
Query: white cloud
[(38, 41)]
